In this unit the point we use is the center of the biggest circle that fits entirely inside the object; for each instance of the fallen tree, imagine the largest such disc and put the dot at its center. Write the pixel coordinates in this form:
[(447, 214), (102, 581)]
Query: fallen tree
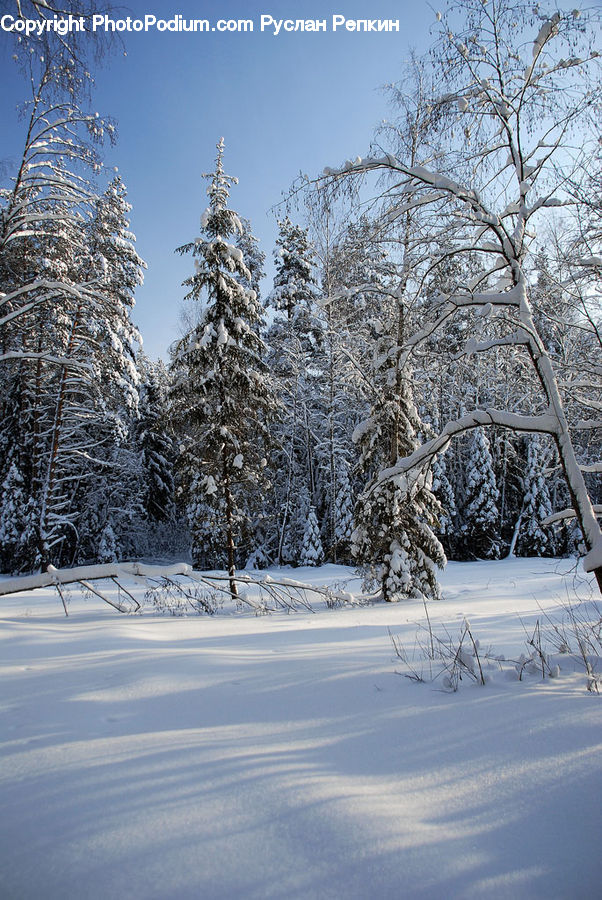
[(273, 593)]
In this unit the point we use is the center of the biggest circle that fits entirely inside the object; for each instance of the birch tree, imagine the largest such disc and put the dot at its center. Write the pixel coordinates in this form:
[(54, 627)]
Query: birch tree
[(521, 95)]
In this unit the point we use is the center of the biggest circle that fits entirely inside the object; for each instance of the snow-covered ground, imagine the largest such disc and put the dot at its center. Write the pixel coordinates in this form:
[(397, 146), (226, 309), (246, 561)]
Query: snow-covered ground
[(237, 756)]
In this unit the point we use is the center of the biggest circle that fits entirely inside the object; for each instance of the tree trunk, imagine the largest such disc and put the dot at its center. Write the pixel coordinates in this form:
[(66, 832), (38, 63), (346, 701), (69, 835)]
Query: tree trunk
[(229, 527), (55, 444), (573, 475)]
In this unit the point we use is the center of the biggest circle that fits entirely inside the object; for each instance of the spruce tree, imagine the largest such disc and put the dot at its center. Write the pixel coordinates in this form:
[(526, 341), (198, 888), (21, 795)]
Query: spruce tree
[(444, 493), (88, 476), (534, 538), (253, 256), (480, 531), (312, 553), (295, 286), (394, 541), (343, 513), (18, 531), (155, 444), (296, 341), (222, 397)]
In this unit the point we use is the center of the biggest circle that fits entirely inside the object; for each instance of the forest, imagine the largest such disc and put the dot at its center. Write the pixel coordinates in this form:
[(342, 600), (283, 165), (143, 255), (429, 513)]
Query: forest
[(351, 517), (421, 382)]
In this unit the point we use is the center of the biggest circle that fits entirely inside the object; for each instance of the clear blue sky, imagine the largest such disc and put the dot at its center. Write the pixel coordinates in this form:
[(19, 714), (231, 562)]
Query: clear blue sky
[(284, 104)]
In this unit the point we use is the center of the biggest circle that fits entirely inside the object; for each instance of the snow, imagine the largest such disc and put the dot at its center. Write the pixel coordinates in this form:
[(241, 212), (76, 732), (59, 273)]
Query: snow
[(282, 756), (544, 33), (593, 560)]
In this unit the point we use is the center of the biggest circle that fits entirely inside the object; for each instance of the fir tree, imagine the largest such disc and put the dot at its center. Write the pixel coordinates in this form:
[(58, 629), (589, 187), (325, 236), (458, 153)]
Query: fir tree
[(222, 396), (312, 553), (534, 538), (295, 286), (394, 540), (481, 516), (95, 397), (18, 523), (444, 493), (254, 258), (343, 513), (296, 341), (156, 445)]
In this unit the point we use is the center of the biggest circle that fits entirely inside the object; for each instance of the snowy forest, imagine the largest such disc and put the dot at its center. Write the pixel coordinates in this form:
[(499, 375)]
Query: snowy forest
[(420, 381), (309, 608)]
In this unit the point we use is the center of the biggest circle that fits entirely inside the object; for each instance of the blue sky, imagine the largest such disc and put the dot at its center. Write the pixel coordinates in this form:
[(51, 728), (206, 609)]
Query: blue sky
[(284, 104)]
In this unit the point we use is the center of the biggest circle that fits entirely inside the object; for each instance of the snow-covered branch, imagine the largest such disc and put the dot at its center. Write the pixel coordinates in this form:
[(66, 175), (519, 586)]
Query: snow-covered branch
[(45, 357), (568, 513), (588, 424), (594, 468), (545, 424), (472, 346)]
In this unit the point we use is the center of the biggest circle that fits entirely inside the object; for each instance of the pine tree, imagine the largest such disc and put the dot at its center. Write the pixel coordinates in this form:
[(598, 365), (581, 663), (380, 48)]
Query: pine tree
[(444, 492), (296, 341), (222, 397), (67, 271), (480, 530), (312, 553), (534, 538), (156, 445), (254, 258), (295, 286), (95, 397), (18, 520), (394, 540), (343, 513), (352, 268)]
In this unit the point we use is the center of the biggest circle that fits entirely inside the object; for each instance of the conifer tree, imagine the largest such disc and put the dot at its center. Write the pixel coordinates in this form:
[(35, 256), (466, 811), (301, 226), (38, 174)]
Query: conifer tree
[(534, 538), (67, 275), (312, 553), (253, 256), (343, 513), (444, 492), (481, 515), (92, 401), (155, 444), (394, 540), (296, 340), (295, 286), (18, 530), (222, 397), (351, 275)]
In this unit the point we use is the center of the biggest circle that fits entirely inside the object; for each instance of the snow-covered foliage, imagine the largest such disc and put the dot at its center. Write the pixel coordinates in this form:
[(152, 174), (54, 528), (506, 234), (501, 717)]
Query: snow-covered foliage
[(294, 282), (433, 311), (312, 553), (444, 493), (18, 522), (343, 511), (296, 357), (155, 443), (68, 271), (394, 539), (481, 515), (513, 85), (222, 399), (534, 538)]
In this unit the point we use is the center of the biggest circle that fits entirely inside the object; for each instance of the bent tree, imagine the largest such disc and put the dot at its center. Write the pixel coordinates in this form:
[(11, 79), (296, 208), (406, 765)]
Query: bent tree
[(521, 97)]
